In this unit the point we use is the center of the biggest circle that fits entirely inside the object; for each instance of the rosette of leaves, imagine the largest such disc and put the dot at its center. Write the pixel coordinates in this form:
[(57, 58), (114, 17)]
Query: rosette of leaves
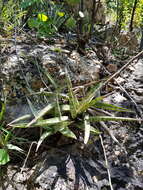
[(67, 110)]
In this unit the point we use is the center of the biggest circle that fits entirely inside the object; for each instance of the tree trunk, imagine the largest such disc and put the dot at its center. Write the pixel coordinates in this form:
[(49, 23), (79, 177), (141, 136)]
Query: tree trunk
[(133, 14), (141, 42)]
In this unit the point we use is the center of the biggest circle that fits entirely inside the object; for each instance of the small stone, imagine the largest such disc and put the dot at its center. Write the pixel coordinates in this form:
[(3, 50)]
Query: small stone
[(95, 179), (117, 153)]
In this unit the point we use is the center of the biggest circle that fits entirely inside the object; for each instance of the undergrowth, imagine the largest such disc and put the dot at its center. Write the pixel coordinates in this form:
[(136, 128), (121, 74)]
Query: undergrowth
[(64, 111)]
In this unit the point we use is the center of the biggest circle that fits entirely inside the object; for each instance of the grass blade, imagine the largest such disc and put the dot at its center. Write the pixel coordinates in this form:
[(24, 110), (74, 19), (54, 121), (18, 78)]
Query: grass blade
[(92, 129), (109, 118), (106, 106), (51, 79), (2, 112), (73, 101), (88, 100)]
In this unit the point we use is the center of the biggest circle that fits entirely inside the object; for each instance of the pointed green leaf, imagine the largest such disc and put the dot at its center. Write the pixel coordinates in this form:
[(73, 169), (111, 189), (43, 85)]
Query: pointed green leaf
[(41, 114), (19, 125), (2, 112), (109, 118), (51, 121), (43, 137), (88, 100), (106, 106), (61, 126), (43, 123), (24, 117), (92, 129), (13, 147), (51, 80), (87, 129), (68, 133), (72, 99), (57, 107)]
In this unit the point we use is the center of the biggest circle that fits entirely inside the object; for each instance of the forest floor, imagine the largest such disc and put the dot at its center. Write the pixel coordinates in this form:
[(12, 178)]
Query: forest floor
[(60, 163)]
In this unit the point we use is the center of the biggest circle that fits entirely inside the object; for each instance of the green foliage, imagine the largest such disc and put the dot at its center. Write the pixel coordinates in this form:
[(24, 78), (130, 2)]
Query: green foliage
[(46, 26), (10, 15), (122, 11), (27, 3), (67, 111), (45, 17), (2, 112), (139, 14), (71, 23), (73, 2), (5, 138), (55, 13)]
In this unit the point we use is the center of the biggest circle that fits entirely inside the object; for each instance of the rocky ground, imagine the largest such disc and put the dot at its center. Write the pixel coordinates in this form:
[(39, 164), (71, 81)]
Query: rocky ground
[(63, 165)]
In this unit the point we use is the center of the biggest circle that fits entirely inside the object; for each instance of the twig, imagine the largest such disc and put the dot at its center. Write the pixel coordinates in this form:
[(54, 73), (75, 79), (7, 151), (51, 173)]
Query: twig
[(104, 126), (139, 112), (27, 156), (115, 74), (110, 133), (103, 112), (124, 67), (106, 161)]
